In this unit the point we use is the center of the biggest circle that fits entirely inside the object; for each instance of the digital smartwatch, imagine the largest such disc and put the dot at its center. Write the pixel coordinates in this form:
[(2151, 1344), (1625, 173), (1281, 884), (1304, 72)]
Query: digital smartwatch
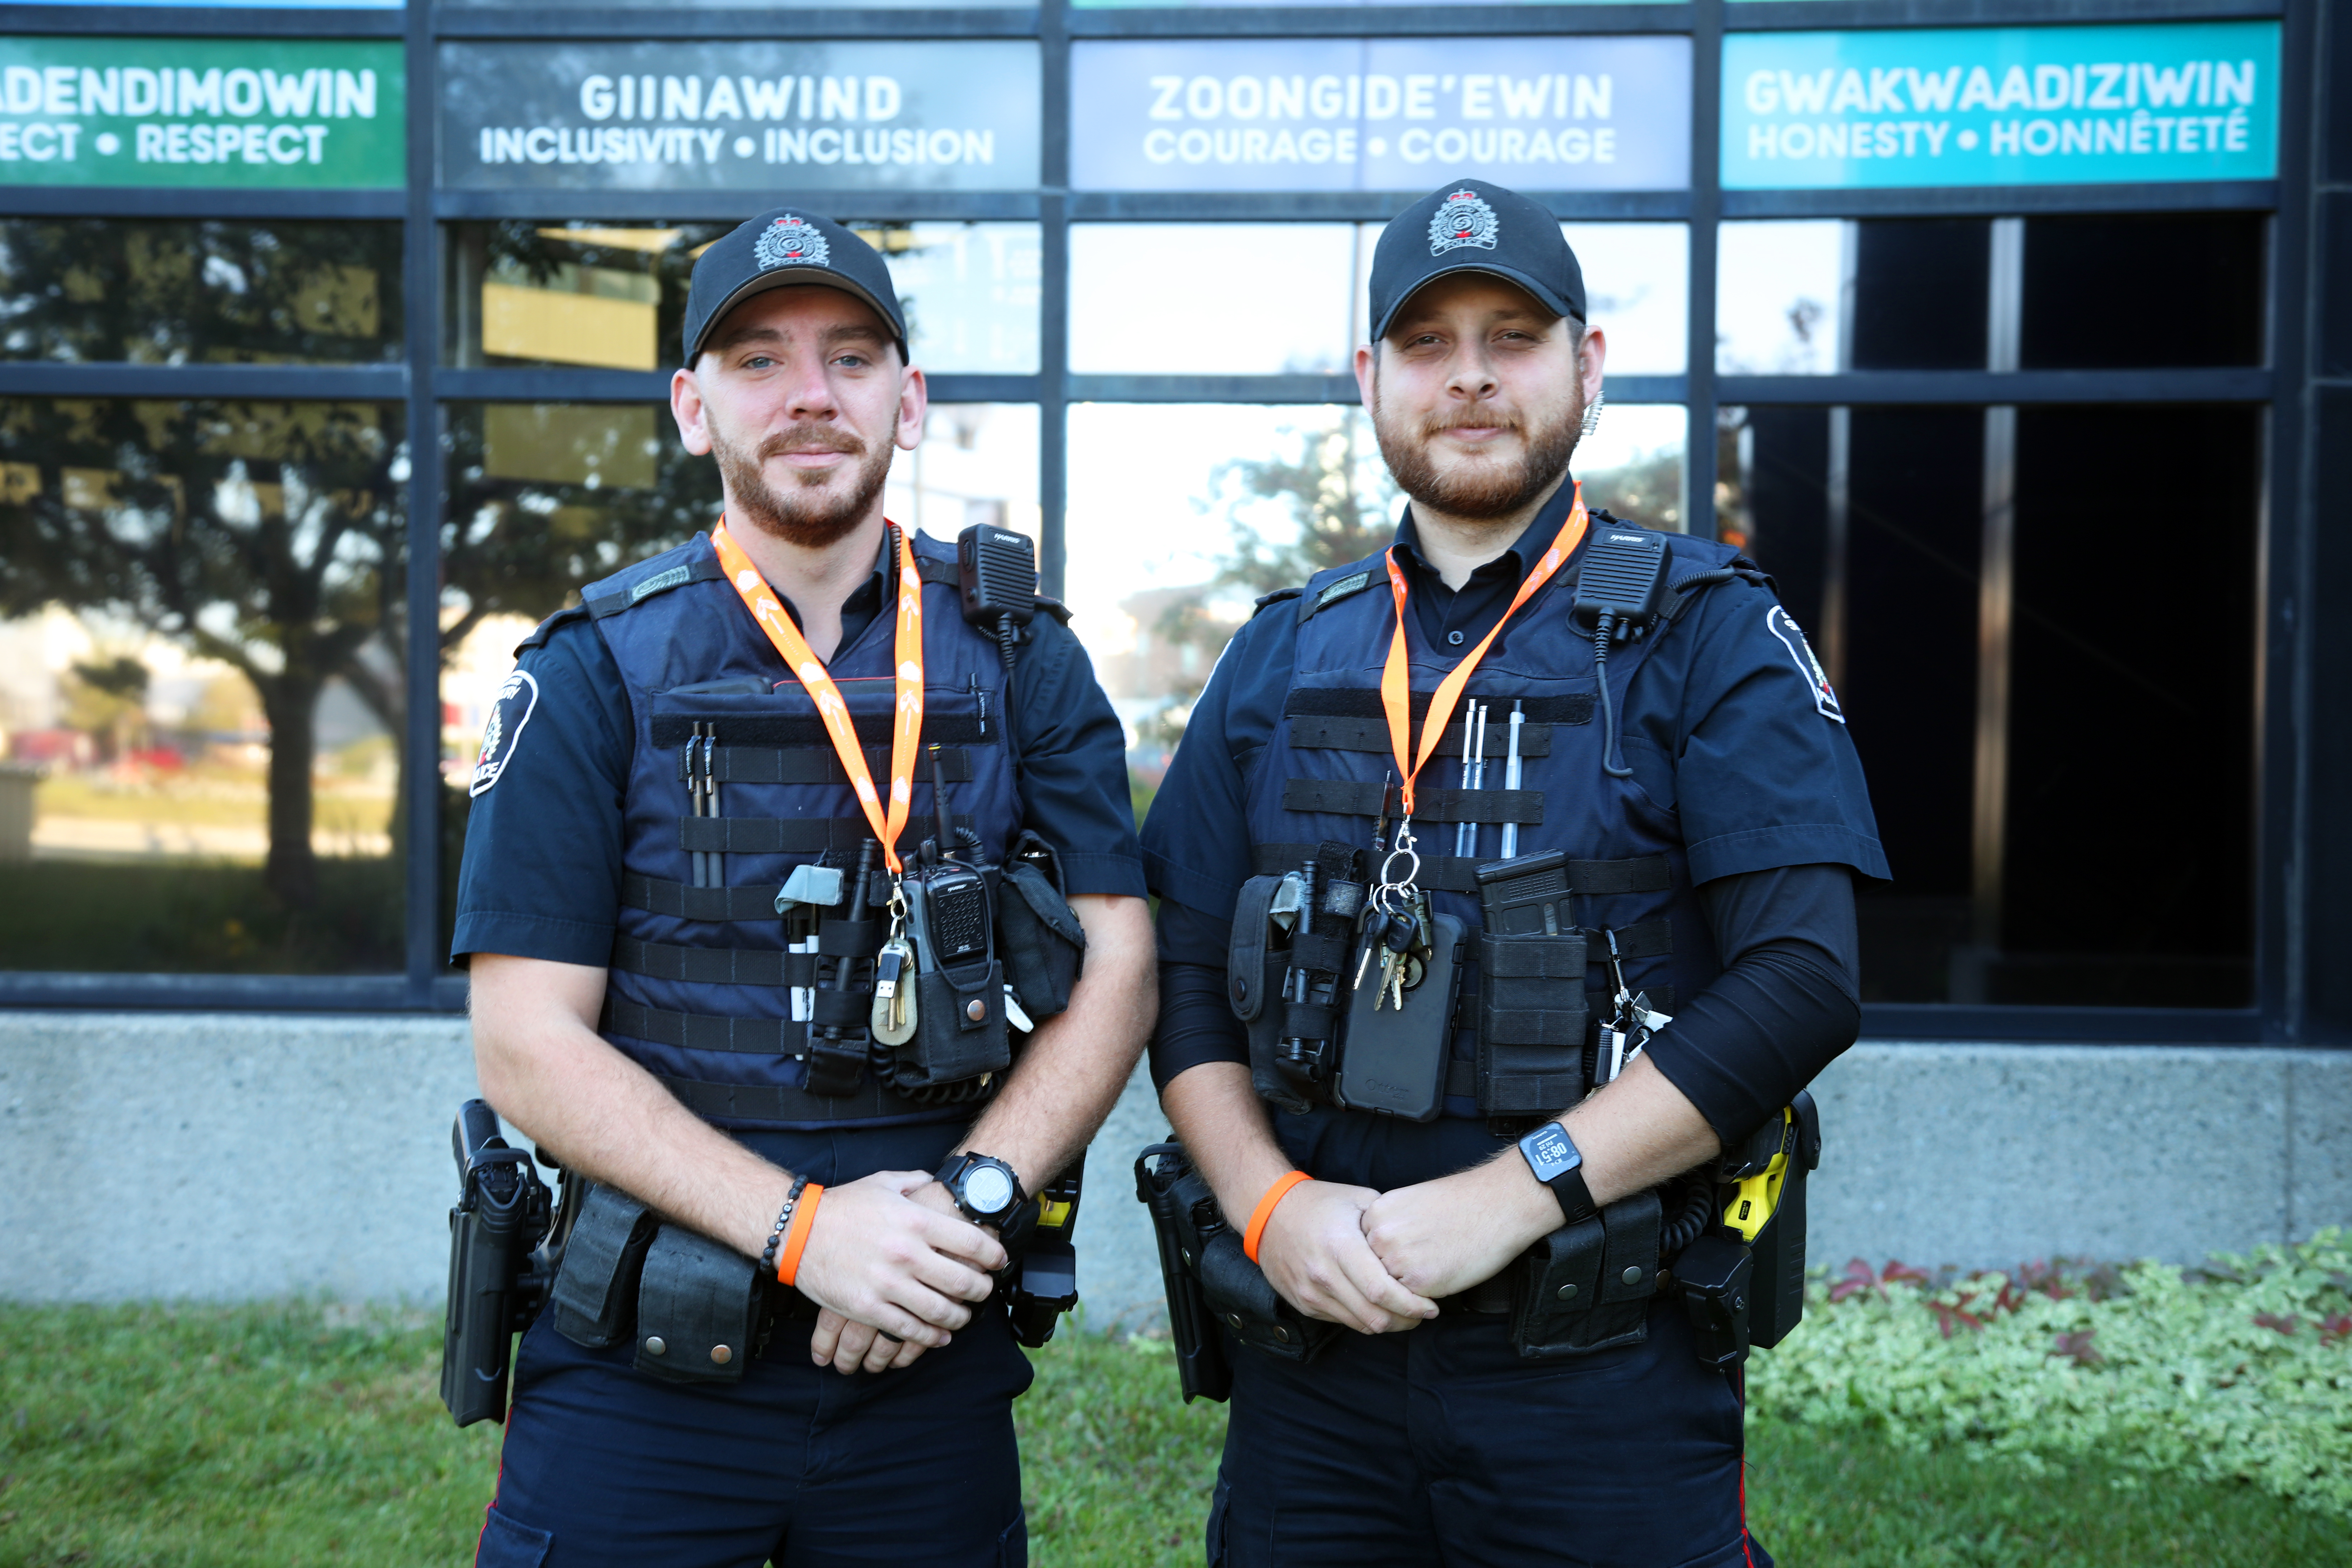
[(1554, 1158), (985, 1189)]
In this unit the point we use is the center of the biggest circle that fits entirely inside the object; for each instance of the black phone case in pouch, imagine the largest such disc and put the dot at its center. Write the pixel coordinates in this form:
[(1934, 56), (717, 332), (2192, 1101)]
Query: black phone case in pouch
[(1392, 1061)]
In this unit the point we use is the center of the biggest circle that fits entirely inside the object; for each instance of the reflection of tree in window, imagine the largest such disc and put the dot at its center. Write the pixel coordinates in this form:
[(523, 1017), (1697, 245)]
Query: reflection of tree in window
[(264, 535), (165, 292)]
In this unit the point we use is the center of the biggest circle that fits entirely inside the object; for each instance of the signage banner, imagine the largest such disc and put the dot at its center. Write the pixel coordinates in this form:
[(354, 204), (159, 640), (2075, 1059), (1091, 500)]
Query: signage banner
[(199, 113), (2002, 106), (1380, 114), (769, 117)]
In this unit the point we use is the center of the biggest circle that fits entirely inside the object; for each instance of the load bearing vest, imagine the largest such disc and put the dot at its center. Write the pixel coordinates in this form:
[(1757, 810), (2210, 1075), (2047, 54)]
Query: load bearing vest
[(1329, 773), (700, 989)]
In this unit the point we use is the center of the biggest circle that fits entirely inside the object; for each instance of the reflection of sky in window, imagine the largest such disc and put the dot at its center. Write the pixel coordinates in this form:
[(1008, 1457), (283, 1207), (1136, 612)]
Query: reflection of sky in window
[(1271, 299), (1777, 298), (1210, 298)]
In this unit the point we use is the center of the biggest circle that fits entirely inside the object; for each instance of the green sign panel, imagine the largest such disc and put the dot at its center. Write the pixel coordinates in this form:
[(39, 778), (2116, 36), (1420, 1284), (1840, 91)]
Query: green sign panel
[(201, 113), (2002, 106)]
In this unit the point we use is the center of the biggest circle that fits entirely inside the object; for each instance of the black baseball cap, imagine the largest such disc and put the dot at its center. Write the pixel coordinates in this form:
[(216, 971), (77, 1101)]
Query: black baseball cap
[(779, 248), (1471, 225)]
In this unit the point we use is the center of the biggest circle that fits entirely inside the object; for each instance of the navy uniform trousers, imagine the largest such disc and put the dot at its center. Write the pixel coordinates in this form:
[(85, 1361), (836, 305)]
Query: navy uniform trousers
[(604, 1468), (1440, 1445)]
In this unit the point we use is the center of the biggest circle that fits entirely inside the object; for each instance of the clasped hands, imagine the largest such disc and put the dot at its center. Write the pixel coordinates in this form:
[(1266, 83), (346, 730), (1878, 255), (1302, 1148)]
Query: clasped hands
[(895, 1268), (1376, 1262)]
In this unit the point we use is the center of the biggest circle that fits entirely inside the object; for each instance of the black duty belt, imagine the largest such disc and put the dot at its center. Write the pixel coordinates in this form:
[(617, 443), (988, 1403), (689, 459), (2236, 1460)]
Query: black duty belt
[(1458, 873)]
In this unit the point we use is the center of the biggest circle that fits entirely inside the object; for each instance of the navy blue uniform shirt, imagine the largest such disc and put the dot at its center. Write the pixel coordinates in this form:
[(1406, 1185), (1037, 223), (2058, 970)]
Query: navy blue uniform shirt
[(1720, 722), (542, 870)]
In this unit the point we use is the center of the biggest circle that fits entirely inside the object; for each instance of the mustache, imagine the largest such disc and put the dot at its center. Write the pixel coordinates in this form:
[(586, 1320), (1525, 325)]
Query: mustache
[(1485, 419), (809, 438)]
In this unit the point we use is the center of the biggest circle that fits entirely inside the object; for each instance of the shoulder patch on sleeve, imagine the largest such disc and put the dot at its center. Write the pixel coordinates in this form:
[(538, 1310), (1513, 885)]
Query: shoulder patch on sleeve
[(1801, 653), (502, 732)]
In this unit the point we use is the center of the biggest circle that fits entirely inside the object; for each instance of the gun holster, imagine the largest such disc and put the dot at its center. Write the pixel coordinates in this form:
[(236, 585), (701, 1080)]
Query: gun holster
[(499, 1264), (1587, 1286), (1211, 1281)]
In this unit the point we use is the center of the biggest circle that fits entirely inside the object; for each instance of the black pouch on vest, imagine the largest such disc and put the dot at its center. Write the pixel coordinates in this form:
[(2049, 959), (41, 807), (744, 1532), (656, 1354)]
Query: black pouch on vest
[(1394, 1063), (1532, 1006), (1322, 949), (1042, 947), (1255, 965), (959, 983), (596, 1288), (698, 1309), (1587, 1286)]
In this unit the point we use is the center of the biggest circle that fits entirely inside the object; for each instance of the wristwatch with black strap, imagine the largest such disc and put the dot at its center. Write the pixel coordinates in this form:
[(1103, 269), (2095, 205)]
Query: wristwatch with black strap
[(986, 1189), (1556, 1163)]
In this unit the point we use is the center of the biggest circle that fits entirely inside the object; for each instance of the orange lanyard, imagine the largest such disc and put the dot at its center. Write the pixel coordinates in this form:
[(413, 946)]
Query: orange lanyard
[(765, 608), (1396, 680)]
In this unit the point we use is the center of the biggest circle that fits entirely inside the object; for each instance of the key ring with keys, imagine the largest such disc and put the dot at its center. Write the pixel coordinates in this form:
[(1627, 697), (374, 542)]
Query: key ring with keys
[(1393, 890)]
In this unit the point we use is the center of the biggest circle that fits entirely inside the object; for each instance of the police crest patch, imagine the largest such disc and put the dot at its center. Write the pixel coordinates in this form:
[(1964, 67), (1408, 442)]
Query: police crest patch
[(791, 241), (502, 732), (1800, 653), (1462, 219)]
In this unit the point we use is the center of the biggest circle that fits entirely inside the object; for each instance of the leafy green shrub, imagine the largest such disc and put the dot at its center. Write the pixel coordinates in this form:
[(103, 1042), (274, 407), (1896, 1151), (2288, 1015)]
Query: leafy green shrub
[(2241, 1370)]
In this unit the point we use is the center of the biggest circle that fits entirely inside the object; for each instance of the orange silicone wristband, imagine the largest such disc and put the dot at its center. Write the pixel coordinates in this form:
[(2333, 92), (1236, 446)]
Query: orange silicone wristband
[(1264, 1211), (796, 1233)]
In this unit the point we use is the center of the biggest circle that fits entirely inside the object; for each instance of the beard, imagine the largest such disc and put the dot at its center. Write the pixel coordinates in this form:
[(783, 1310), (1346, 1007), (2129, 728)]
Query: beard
[(1480, 487), (808, 512)]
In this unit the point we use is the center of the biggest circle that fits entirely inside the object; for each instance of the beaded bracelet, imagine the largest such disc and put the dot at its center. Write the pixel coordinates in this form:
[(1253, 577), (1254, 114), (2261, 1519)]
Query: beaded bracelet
[(784, 1220)]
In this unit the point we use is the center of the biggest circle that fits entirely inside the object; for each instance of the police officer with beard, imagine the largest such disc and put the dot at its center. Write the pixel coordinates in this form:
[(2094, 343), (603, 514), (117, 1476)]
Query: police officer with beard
[(1694, 769), (741, 733)]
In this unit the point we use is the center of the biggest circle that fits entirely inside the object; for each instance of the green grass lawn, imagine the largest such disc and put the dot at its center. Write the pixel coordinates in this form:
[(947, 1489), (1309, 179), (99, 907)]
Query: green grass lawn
[(282, 1436)]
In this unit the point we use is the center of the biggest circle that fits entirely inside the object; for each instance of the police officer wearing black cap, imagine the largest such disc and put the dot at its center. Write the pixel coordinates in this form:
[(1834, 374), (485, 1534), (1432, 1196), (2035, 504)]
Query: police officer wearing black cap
[(723, 925), (1402, 1103)]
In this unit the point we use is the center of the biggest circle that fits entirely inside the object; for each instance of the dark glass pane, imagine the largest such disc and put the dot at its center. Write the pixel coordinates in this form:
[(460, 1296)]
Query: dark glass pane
[(2123, 293), (1920, 293), (2128, 873), (158, 292), (538, 293), (202, 653), (1908, 652), (1783, 464)]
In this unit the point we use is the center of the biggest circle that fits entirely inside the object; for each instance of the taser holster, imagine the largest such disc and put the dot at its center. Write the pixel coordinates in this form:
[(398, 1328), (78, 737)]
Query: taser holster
[(1743, 1281)]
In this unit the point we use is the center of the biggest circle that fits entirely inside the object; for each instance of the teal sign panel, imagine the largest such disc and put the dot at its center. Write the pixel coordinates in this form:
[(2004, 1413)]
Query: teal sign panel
[(2002, 106)]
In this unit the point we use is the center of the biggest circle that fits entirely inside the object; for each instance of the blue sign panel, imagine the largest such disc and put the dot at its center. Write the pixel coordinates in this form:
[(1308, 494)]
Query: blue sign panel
[(2002, 106), (1380, 114)]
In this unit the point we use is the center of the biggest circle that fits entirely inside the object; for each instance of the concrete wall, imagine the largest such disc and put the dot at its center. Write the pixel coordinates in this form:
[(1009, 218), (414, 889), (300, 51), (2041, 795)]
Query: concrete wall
[(227, 1155)]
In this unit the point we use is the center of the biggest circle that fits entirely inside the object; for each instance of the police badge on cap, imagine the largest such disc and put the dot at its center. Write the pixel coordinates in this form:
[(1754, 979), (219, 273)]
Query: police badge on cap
[(502, 732), (792, 241), (1462, 219)]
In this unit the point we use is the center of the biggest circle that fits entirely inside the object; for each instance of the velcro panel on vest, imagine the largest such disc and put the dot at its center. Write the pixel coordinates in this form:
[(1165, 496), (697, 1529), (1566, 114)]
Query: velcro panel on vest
[(842, 1009), (713, 965), (698, 1309), (809, 765), (1650, 939), (849, 939), (868, 1101), (1350, 797), (703, 1032), (681, 902), (795, 730), (779, 834), (1318, 732), (1458, 874)]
